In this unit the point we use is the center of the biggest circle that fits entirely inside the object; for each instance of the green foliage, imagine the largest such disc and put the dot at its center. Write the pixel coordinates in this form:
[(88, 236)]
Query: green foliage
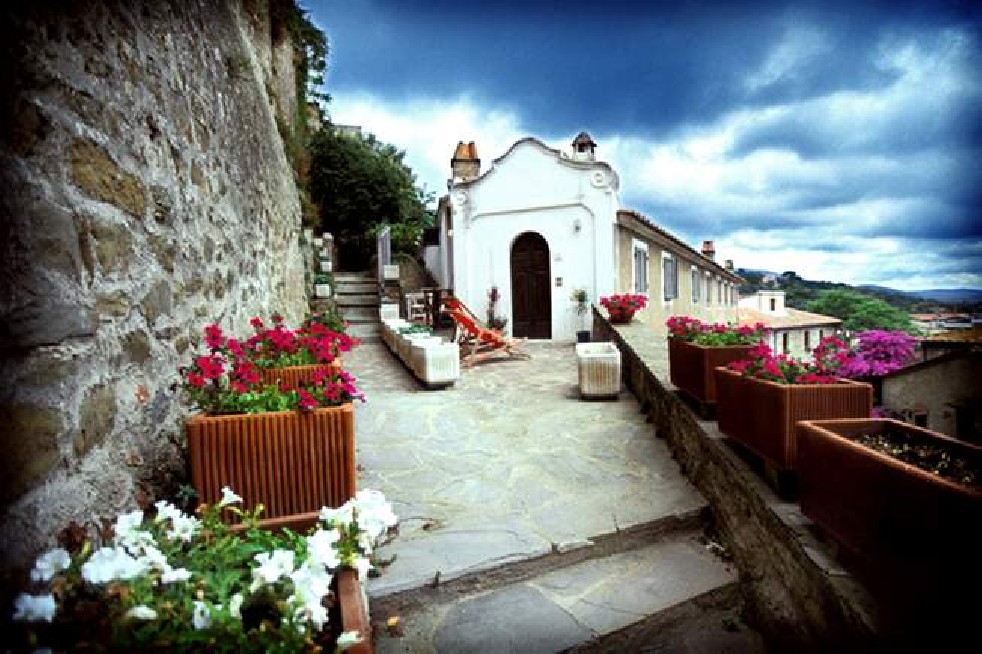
[(360, 184), (859, 311)]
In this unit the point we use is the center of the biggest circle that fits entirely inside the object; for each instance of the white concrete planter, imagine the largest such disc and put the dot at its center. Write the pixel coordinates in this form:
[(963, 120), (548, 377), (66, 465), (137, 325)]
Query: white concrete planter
[(308, 234), (390, 272), (388, 310), (326, 265), (599, 367), (322, 290), (432, 360)]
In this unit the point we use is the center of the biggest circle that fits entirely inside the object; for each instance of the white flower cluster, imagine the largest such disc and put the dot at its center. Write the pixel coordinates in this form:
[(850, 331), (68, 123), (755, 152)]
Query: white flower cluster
[(135, 553)]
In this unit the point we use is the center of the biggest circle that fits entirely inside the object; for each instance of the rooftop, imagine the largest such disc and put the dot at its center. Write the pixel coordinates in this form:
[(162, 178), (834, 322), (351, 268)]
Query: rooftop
[(794, 318)]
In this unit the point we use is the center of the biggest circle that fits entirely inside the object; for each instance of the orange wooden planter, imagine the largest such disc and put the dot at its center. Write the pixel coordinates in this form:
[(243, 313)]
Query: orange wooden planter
[(354, 611), (894, 516), (762, 414), (691, 366), (292, 462), (293, 376)]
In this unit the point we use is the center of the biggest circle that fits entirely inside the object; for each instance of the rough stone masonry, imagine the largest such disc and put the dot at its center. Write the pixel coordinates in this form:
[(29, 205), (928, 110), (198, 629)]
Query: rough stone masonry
[(145, 193)]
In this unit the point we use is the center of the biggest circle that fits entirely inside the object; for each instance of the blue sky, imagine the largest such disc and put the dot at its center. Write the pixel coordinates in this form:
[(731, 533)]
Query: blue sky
[(839, 141)]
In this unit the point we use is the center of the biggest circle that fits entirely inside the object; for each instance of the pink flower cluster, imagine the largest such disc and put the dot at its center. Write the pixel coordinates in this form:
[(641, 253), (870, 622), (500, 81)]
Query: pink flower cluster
[(764, 364), (280, 346), (624, 302), (698, 332), (876, 353)]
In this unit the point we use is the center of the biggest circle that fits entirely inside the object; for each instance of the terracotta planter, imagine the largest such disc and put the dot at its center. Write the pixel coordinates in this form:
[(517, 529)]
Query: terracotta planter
[(890, 514), (295, 375), (762, 414), (354, 610), (293, 462), (691, 366)]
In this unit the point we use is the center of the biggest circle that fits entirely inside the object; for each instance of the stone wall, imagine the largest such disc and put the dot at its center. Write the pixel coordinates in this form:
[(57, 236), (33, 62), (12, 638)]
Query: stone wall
[(145, 193)]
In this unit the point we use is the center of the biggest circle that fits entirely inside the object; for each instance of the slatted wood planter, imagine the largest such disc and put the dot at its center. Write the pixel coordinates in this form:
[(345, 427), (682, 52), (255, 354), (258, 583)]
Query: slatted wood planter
[(892, 515), (691, 366), (293, 376), (292, 462), (762, 414), (354, 610)]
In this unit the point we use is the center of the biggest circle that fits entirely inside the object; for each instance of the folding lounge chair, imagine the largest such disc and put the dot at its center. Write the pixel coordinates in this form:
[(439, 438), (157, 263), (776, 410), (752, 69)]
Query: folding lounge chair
[(480, 344)]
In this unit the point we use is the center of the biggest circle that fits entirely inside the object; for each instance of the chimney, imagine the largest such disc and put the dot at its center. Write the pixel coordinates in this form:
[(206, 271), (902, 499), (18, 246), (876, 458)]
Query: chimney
[(728, 264), (465, 164), (709, 250)]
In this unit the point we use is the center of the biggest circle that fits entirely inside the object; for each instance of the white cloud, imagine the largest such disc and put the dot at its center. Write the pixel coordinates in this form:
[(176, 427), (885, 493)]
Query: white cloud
[(799, 46)]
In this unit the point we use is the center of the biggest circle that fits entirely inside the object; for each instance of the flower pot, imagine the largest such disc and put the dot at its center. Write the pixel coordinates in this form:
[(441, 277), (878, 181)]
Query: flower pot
[(762, 414), (325, 265), (892, 515), (322, 290), (354, 610), (583, 336), (294, 462), (293, 376), (620, 316), (691, 366)]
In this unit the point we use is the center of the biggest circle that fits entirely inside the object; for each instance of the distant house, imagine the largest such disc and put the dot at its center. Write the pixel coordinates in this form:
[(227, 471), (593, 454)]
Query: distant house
[(932, 323), (793, 332), (540, 222), (941, 393), (944, 342)]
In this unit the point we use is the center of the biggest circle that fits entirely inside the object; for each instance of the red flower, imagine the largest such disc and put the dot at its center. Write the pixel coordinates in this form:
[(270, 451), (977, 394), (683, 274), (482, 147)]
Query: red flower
[(211, 366), (196, 379), (307, 400), (213, 336), (277, 318), (257, 323)]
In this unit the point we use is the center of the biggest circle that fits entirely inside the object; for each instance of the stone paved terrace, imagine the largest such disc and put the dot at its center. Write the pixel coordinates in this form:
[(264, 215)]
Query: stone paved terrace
[(505, 465)]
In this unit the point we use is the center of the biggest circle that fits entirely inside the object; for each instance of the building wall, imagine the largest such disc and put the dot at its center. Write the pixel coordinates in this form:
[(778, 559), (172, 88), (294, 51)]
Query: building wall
[(796, 340), (933, 387), (147, 194), (659, 310), (530, 190)]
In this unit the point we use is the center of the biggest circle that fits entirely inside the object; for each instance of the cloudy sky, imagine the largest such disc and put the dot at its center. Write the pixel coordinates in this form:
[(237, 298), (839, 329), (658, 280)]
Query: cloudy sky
[(841, 140)]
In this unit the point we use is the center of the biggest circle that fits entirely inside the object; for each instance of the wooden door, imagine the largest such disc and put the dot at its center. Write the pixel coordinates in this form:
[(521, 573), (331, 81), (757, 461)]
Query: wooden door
[(531, 291)]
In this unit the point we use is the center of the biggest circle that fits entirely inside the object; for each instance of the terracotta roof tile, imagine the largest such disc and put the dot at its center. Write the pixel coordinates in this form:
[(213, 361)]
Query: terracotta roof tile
[(795, 318)]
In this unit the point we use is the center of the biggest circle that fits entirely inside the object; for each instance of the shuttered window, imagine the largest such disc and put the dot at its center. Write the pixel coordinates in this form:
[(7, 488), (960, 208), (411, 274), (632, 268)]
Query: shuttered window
[(640, 269), (670, 277), (696, 283)]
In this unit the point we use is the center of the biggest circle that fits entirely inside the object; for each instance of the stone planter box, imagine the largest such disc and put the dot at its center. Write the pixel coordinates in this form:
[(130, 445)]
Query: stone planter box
[(691, 366), (388, 310), (390, 272), (292, 462), (318, 242), (325, 265), (599, 370), (894, 516), (295, 375), (434, 361), (322, 290), (762, 414)]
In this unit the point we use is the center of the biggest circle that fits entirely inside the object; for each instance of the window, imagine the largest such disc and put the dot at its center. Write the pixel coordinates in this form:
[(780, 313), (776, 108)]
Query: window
[(640, 267), (709, 289), (808, 340), (696, 283), (785, 341), (719, 291), (773, 304), (670, 276)]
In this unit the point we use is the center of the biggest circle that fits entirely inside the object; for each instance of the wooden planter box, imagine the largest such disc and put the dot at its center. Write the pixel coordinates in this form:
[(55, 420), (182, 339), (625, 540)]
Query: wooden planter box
[(691, 366), (762, 414), (292, 462), (890, 514), (295, 375), (354, 610)]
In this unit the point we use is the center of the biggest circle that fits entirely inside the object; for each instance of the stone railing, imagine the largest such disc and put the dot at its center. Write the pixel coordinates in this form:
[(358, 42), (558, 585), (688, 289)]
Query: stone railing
[(795, 592)]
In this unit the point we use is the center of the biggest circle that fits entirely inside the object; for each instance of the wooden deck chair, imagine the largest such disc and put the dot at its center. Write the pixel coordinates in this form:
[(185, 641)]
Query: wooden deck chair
[(479, 344)]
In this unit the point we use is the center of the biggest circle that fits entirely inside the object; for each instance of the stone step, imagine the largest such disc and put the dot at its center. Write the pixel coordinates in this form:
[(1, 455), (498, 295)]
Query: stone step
[(670, 580), (368, 332), (360, 314), (344, 300), (361, 277), (356, 287)]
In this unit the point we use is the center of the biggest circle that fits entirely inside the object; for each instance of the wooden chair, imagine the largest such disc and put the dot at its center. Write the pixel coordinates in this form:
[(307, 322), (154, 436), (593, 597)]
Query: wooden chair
[(479, 344)]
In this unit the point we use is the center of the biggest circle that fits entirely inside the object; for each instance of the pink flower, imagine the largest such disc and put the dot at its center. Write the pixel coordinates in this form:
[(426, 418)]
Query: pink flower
[(256, 322), (213, 336), (211, 367), (196, 380)]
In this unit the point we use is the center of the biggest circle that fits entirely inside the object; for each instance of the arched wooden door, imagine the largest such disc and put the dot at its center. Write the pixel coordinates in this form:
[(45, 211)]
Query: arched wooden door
[(531, 293)]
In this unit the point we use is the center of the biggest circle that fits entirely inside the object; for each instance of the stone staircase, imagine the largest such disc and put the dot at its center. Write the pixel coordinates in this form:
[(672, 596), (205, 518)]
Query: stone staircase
[(357, 298), (656, 587)]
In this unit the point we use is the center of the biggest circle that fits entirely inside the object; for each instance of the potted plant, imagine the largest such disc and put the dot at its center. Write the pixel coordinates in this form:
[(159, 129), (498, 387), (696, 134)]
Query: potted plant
[(760, 399), (621, 307), (696, 348), (582, 299), (494, 321), (323, 285), (902, 499), (285, 355), (290, 445), (167, 581)]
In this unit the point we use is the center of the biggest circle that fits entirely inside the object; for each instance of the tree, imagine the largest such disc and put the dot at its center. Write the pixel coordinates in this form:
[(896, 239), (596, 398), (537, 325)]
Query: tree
[(859, 311), (360, 184)]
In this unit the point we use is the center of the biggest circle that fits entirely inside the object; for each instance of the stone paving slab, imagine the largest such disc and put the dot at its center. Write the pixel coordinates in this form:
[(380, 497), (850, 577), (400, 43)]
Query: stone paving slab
[(506, 464), (569, 606)]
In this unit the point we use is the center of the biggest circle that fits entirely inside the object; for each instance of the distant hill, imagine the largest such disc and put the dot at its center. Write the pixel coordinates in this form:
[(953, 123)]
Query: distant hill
[(969, 295)]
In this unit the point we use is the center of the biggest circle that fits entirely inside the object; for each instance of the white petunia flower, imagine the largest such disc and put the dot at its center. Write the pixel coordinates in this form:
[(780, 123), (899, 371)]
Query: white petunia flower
[(347, 640), (362, 565), (167, 511), (183, 528), (340, 516), (201, 618), (272, 567), (229, 497), (175, 574), (142, 612), (235, 606), (321, 550), (51, 563), (34, 608), (109, 564), (153, 559)]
